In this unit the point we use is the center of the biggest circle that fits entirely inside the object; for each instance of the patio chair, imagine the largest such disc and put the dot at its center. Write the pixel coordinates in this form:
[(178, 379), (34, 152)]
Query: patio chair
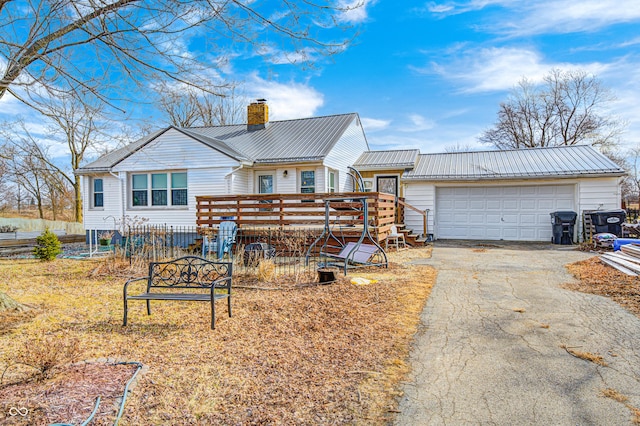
[(395, 239), (222, 243)]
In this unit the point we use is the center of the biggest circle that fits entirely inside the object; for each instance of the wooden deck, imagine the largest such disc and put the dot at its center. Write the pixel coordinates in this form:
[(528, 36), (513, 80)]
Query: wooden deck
[(300, 210)]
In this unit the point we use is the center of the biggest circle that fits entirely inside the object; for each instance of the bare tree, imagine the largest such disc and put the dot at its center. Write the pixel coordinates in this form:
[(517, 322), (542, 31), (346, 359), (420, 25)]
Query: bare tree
[(69, 46), (567, 109), (73, 122), (185, 106)]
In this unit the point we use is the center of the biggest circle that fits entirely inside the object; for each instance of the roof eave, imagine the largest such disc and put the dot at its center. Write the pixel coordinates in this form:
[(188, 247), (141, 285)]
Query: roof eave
[(512, 177)]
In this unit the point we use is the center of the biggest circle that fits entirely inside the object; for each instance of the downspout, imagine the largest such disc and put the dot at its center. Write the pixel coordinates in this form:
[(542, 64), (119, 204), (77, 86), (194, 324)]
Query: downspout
[(240, 167)]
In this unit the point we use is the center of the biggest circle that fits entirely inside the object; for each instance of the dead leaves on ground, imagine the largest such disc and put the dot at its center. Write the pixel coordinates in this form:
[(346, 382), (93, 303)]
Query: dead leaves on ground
[(320, 354), (596, 278)]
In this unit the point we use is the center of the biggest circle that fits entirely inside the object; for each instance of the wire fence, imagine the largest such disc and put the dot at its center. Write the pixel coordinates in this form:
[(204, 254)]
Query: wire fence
[(266, 250)]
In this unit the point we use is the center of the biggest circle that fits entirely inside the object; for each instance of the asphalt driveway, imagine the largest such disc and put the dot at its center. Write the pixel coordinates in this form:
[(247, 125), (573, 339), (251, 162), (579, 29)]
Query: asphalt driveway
[(490, 347)]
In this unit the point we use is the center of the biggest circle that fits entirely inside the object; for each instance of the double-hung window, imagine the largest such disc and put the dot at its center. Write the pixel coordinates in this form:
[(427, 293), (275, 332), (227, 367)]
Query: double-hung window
[(159, 189), (98, 193)]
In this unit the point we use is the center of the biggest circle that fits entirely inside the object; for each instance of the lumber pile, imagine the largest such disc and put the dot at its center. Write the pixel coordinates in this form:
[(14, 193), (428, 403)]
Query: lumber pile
[(627, 260)]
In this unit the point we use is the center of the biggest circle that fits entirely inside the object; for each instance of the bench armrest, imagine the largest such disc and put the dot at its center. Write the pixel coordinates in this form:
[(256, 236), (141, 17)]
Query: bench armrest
[(216, 284), (126, 285)]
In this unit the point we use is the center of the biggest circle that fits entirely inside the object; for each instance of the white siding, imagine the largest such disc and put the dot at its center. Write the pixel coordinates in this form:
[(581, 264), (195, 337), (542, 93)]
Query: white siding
[(172, 151), (288, 184), (421, 195), (599, 194), (240, 181), (211, 181), (101, 218), (345, 152)]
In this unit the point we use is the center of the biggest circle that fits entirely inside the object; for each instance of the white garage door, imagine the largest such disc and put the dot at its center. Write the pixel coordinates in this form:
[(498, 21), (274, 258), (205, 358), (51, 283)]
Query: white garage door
[(516, 213)]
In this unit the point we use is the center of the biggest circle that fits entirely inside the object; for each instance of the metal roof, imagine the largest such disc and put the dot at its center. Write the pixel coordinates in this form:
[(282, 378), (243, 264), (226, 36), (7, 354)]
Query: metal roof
[(391, 159), (566, 161), (300, 140), (306, 139)]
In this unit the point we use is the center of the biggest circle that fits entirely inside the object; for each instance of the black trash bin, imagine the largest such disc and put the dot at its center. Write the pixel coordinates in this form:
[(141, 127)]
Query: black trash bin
[(255, 252), (563, 223), (609, 221)]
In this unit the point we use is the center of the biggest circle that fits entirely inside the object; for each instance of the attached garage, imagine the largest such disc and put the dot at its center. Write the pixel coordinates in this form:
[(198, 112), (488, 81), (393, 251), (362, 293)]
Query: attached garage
[(518, 213), (508, 195)]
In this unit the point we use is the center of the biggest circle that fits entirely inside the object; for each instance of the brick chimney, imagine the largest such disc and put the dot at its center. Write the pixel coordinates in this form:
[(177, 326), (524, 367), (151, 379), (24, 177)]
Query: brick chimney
[(257, 115)]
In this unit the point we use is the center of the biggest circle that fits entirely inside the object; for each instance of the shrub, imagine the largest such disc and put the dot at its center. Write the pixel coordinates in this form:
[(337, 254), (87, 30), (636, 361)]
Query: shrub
[(47, 247)]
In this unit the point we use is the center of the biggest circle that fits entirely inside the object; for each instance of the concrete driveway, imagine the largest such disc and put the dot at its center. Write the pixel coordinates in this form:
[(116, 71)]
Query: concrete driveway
[(489, 350)]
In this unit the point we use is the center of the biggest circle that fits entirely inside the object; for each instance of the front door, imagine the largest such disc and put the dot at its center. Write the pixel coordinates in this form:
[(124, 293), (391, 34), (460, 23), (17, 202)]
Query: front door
[(387, 184), (265, 184)]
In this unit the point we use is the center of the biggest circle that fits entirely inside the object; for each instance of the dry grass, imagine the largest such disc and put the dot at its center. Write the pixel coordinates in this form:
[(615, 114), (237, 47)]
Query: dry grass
[(332, 354), (587, 356), (597, 278), (617, 396)]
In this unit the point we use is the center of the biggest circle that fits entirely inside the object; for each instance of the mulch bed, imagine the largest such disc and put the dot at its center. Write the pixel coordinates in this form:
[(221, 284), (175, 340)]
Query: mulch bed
[(68, 396), (596, 278)]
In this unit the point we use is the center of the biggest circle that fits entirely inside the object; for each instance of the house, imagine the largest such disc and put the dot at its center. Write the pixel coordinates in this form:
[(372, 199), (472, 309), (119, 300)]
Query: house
[(158, 177), (504, 195)]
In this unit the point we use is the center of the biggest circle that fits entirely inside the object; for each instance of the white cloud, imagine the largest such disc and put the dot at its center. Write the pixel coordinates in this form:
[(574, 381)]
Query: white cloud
[(498, 69), (456, 8), (564, 16), (374, 124), (354, 11), (417, 123), (286, 100), (545, 16)]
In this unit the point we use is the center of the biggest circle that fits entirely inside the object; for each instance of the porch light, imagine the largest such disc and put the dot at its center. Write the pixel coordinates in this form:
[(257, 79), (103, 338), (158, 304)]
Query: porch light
[(285, 173)]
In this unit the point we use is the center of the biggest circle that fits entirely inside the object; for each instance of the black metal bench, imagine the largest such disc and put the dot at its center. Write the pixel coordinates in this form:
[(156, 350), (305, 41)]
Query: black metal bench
[(185, 278)]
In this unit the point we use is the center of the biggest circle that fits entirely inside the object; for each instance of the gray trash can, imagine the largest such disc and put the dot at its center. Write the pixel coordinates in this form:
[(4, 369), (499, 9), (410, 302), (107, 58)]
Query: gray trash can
[(563, 223)]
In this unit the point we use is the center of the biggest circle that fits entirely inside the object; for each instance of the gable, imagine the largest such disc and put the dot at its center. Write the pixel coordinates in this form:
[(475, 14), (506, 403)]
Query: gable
[(174, 150)]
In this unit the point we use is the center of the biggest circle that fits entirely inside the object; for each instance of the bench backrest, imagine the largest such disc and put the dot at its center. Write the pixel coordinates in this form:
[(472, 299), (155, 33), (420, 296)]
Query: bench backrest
[(189, 272)]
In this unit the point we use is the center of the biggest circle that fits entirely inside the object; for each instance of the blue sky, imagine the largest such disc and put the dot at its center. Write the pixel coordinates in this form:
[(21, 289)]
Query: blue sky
[(431, 75)]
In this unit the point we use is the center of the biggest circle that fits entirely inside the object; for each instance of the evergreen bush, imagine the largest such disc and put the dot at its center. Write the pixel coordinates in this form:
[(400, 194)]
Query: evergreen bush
[(47, 247)]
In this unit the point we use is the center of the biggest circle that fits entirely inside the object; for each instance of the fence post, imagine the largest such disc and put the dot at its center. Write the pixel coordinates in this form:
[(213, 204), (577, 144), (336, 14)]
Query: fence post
[(171, 241)]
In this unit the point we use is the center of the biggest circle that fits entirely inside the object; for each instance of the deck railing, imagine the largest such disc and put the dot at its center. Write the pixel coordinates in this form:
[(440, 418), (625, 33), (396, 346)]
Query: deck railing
[(289, 210)]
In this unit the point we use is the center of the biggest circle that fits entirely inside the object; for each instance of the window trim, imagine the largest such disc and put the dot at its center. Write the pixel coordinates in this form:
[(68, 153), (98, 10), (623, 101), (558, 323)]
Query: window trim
[(331, 174), (315, 182), (94, 192), (150, 190)]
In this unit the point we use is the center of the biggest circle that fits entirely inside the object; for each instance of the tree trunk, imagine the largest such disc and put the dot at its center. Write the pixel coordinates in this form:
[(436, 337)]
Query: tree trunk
[(77, 191), (8, 304)]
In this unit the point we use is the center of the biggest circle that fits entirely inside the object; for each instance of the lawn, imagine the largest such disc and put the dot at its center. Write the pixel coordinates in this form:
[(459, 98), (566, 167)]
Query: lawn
[(331, 354)]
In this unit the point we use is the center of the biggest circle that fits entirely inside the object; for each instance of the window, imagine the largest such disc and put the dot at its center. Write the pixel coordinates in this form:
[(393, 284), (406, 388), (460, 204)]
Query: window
[(139, 187), (98, 193), (159, 189), (155, 186), (307, 182), (178, 189), (332, 182)]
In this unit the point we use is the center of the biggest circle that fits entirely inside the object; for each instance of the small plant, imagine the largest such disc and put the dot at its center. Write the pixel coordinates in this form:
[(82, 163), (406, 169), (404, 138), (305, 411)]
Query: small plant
[(105, 237), (43, 353), (8, 228), (47, 247)]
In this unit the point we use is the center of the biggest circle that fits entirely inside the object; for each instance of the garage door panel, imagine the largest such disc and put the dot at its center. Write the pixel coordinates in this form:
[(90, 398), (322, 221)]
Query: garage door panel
[(500, 213), (493, 204)]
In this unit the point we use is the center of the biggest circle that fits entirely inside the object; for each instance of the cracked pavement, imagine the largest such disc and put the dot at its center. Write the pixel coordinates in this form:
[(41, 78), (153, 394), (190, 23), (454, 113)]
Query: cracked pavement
[(489, 349)]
